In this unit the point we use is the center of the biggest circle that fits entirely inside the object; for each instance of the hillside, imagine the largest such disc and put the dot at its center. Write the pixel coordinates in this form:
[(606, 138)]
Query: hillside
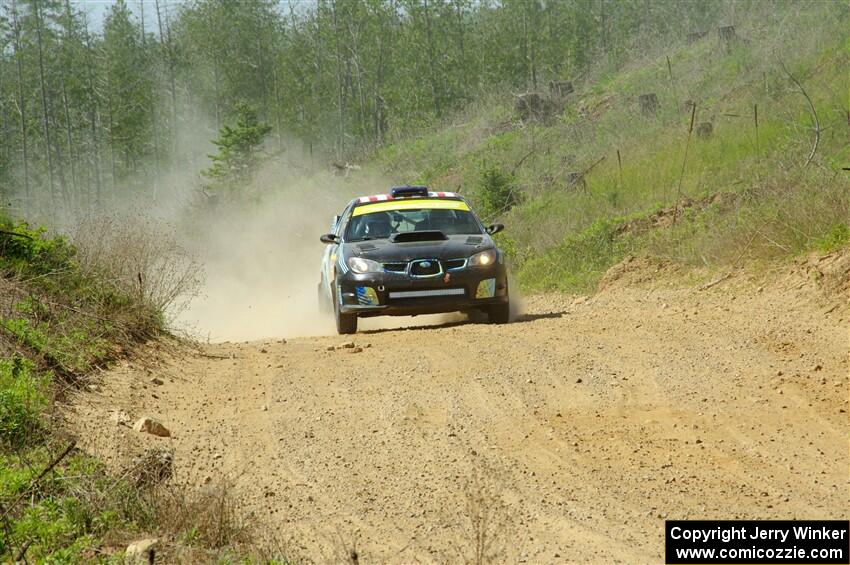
[(68, 311), (589, 177)]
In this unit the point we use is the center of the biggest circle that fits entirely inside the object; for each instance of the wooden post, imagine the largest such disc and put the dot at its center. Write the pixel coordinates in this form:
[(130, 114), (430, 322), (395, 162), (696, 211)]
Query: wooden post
[(684, 160), (756, 122), (620, 167)]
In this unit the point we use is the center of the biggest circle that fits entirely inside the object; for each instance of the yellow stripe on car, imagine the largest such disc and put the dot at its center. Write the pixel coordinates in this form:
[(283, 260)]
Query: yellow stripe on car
[(409, 205)]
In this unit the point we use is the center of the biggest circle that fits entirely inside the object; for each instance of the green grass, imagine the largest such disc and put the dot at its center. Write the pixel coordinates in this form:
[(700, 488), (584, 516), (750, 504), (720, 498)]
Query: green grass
[(47, 517), (23, 398), (838, 236), (578, 261), (63, 517)]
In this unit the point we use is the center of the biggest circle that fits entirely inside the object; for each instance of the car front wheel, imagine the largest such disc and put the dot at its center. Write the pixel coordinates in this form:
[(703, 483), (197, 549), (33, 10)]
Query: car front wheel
[(345, 323), (499, 313)]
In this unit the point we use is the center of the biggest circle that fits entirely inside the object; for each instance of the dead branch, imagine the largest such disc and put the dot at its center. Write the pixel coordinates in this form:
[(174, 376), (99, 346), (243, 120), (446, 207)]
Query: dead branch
[(40, 476), (520, 162), (716, 281), (15, 234), (23, 551), (811, 108), (587, 170), (216, 356)]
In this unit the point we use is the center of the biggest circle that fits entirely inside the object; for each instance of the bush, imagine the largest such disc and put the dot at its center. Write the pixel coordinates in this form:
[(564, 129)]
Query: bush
[(579, 260), (138, 258), (62, 516), (497, 192), (26, 249), (835, 238)]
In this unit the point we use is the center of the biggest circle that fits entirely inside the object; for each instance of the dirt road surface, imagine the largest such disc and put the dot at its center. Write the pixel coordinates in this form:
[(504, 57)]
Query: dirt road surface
[(578, 429)]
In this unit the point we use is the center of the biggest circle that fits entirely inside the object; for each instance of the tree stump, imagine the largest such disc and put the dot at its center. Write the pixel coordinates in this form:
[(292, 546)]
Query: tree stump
[(529, 105), (648, 104), (705, 130), (560, 88), (696, 36), (575, 181), (727, 36)]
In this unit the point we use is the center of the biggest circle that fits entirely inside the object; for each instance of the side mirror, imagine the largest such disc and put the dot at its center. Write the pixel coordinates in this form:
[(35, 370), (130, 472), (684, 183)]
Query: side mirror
[(329, 238), (495, 228)]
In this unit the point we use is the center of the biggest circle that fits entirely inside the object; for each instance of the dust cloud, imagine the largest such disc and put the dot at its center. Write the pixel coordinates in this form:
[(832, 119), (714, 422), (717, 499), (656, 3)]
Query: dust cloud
[(257, 253), (262, 257)]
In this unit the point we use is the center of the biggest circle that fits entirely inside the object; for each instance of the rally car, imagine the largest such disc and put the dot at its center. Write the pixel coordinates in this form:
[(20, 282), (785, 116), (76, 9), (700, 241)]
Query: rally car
[(411, 252)]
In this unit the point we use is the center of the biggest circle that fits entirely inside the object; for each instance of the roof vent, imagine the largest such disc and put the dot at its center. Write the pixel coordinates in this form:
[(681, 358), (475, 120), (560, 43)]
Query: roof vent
[(410, 236)]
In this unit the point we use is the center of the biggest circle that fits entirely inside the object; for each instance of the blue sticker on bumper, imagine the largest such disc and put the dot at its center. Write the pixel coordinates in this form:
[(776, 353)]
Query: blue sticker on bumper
[(486, 289), (366, 296)]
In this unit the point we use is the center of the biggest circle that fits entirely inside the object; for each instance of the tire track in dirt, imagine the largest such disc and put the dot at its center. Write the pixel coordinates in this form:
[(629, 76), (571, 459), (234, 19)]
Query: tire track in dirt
[(586, 423)]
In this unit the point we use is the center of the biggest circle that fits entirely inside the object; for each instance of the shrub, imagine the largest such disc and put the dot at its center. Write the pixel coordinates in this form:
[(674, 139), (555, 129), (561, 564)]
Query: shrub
[(835, 238), (26, 249), (139, 259), (497, 192), (22, 401), (578, 261)]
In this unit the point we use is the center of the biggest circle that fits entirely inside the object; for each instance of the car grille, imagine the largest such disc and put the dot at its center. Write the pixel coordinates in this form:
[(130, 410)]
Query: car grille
[(420, 270), (425, 268), (427, 293)]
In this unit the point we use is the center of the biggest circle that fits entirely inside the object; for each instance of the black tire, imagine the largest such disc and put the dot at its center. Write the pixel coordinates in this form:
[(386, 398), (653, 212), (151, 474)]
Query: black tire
[(479, 316), (499, 313), (345, 323)]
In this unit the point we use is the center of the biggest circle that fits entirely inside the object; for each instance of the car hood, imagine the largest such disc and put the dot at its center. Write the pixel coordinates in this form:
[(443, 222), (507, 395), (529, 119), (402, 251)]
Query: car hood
[(455, 247)]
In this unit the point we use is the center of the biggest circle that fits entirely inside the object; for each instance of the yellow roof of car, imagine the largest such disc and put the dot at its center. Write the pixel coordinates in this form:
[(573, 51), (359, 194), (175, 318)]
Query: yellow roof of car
[(418, 204)]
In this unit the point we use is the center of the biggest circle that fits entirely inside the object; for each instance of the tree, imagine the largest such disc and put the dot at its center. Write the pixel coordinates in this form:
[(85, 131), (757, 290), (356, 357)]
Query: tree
[(239, 152), (129, 91), (336, 74)]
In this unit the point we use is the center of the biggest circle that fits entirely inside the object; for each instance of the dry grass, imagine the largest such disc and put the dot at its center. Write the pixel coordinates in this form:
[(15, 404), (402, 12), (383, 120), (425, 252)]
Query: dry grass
[(209, 517), (483, 526), (141, 257)]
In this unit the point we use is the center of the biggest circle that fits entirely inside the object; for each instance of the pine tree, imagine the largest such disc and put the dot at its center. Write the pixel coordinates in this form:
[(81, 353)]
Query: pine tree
[(129, 91), (239, 152)]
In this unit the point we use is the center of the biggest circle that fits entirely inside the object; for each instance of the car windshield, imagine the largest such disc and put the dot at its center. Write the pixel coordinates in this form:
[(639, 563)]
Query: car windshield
[(383, 224)]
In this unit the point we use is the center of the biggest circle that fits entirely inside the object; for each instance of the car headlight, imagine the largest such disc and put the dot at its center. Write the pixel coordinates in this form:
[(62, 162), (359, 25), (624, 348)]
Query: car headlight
[(361, 265), (483, 259)]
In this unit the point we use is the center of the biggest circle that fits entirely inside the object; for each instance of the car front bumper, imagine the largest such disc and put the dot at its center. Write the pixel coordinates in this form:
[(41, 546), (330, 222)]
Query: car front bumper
[(398, 294)]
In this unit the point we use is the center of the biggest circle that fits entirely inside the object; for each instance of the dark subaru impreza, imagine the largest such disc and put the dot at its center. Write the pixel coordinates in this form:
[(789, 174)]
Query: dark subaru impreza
[(411, 252)]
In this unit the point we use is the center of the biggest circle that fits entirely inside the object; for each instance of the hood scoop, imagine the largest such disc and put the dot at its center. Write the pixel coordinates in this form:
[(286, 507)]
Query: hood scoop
[(412, 236), (474, 240)]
